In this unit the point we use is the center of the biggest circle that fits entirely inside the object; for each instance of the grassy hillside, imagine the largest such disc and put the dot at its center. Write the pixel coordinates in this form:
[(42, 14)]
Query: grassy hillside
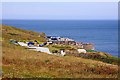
[(19, 34), (19, 62), (0, 51)]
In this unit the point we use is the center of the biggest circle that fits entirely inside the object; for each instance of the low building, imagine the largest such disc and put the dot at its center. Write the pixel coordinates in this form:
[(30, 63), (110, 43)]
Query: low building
[(65, 39), (79, 44), (68, 41), (81, 50), (62, 52), (65, 42), (59, 40)]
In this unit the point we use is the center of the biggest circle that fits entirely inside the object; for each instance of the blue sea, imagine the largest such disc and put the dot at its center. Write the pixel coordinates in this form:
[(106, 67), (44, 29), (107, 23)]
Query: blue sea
[(103, 33)]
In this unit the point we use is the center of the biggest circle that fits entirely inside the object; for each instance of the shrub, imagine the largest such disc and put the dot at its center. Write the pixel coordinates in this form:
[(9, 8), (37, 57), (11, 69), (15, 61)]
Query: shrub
[(54, 51), (62, 46), (46, 61), (23, 41), (91, 51)]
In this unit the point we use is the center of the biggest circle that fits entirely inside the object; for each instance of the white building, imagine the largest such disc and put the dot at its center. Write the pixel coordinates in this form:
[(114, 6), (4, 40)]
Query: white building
[(81, 50)]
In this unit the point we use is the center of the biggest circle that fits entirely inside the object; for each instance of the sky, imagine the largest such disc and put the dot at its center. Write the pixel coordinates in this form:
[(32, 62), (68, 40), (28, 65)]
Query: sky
[(59, 0), (60, 10)]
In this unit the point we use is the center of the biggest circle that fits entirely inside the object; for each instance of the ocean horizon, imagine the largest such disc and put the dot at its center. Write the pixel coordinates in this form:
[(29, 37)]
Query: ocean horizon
[(102, 33)]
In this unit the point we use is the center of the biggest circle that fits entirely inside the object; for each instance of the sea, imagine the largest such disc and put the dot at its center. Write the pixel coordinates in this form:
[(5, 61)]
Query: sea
[(102, 33)]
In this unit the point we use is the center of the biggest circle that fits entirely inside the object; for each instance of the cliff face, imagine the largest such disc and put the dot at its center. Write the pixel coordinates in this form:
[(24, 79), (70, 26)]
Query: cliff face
[(18, 62)]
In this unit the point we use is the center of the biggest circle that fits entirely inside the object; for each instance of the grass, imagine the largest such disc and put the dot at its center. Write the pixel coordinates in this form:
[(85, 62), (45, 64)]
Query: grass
[(19, 34), (28, 64), (58, 47), (62, 46), (99, 56), (19, 62), (91, 51)]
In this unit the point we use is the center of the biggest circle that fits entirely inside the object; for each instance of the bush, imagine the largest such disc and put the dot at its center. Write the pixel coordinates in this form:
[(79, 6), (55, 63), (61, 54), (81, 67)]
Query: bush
[(23, 41), (54, 51), (111, 60), (46, 61), (91, 51), (62, 46), (39, 42)]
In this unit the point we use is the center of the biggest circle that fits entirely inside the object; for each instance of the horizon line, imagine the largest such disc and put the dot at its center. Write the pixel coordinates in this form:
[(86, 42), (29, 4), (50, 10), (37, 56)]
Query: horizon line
[(58, 19)]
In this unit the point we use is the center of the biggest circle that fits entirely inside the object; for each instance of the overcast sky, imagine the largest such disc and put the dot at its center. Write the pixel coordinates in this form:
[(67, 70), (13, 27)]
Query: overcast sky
[(60, 10)]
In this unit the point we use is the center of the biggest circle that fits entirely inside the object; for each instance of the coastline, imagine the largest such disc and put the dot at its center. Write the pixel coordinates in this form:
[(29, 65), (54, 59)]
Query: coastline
[(39, 64), (89, 47), (98, 31)]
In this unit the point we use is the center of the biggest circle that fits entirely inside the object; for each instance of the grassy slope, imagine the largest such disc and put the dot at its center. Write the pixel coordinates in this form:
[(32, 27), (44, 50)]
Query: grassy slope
[(19, 34), (19, 62), (0, 52)]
